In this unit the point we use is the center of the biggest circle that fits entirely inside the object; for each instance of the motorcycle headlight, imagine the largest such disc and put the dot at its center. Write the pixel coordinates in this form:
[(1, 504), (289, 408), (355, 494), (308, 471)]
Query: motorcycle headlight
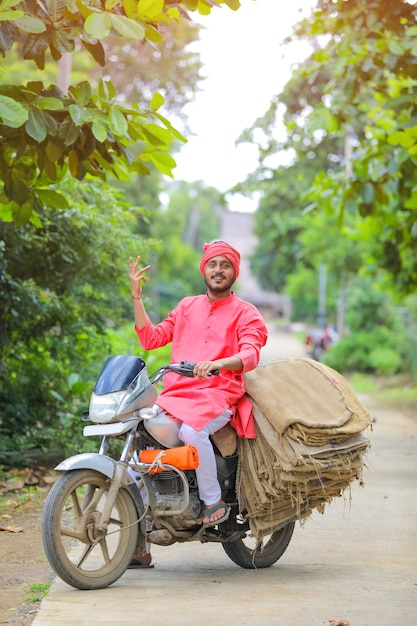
[(103, 408)]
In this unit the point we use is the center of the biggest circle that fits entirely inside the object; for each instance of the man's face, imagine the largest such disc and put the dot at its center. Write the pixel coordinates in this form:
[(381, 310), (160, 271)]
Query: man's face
[(219, 274)]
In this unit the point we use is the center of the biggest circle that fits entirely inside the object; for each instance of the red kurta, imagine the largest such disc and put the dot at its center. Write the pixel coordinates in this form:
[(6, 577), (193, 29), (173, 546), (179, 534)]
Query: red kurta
[(201, 330)]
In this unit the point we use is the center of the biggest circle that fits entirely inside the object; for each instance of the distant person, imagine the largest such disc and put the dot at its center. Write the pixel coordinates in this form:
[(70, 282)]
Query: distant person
[(329, 336), (320, 340)]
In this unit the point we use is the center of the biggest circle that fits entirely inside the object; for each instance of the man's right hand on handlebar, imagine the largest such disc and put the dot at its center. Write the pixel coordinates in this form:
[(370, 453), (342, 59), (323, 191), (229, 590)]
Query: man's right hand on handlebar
[(204, 368)]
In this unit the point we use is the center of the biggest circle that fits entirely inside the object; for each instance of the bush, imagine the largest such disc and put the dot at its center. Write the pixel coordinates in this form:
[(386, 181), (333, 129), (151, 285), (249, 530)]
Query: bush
[(380, 351), (384, 360)]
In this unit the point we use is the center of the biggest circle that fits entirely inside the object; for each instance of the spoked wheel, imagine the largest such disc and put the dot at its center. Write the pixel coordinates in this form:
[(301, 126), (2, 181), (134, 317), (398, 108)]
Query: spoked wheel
[(81, 554), (252, 554)]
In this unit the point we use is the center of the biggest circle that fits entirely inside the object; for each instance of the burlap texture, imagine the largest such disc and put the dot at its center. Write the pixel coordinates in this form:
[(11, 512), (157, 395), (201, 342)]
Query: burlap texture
[(309, 445)]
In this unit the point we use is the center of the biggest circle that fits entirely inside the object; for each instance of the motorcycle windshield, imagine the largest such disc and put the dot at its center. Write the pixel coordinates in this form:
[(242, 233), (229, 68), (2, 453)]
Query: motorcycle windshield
[(118, 373)]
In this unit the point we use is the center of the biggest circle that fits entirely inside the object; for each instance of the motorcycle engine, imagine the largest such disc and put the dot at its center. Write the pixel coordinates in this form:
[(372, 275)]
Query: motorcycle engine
[(169, 493)]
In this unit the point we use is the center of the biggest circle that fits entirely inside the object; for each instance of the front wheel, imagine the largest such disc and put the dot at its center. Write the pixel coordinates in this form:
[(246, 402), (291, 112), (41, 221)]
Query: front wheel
[(251, 554), (81, 554)]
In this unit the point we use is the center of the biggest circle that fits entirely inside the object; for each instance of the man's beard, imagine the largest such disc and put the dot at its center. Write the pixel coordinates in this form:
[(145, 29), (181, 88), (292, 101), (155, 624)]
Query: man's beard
[(219, 288)]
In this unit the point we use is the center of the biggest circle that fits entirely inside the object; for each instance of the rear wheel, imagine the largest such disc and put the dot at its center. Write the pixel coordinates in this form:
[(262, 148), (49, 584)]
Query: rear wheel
[(252, 554), (81, 554)]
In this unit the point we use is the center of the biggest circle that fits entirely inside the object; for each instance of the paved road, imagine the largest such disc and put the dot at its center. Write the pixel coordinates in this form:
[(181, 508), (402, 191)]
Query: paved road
[(356, 562)]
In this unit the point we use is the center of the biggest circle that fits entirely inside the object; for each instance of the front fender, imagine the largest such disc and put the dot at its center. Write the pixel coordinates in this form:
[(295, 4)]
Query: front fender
[(92, 460)]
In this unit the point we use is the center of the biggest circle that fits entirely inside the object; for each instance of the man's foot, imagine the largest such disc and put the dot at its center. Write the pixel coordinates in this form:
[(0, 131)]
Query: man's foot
[(141, 562), (216, 514)]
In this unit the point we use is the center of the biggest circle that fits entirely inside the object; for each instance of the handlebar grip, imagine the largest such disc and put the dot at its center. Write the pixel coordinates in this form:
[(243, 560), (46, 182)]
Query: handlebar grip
[(186, 368)]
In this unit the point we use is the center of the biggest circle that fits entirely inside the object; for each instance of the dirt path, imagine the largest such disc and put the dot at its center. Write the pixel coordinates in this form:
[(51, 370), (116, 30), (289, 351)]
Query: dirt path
[(356, 562)]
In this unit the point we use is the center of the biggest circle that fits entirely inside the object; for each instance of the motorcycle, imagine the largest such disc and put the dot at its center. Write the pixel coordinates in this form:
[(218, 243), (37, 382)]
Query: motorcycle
[(320, 340), (105, 506)]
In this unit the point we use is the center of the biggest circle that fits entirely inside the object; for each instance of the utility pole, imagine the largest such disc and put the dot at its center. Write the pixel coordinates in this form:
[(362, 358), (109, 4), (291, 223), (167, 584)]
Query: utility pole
[(341, 307), (322, 312), (341, 304)]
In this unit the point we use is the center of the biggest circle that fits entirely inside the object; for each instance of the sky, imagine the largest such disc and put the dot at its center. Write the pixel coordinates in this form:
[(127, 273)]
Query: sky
[(245, 64)]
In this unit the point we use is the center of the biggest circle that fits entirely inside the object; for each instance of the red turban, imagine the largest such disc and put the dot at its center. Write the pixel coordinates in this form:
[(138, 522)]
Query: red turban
[(220, 248)]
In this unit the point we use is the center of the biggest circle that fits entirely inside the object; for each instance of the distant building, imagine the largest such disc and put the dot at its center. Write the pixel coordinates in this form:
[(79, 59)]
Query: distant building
[(237, 229)]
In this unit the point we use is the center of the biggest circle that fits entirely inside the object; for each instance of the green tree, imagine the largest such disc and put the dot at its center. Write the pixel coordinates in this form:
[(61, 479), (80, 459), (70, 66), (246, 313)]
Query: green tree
[(138, 69), (379, 340), (347, 196), (46, 133), (360, 85), (62, 286), (294, 239)]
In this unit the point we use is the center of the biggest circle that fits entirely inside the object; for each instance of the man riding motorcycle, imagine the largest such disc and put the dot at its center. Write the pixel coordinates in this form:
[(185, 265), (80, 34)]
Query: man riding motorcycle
[(218, 331)]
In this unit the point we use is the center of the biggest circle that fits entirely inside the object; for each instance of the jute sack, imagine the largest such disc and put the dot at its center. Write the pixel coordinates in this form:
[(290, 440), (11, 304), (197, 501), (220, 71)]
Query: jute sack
[(309, 445), (306, 395)]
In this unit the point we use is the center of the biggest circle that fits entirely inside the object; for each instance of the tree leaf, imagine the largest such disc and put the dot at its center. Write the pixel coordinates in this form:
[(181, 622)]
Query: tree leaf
[(68, 132), (63, 41), (126, 27), (73, 163), (117, 121), (9, 16), (131, 8), (6, 212), (157, 135), (99, 130), (156, 102), (35, 125), (48, 166), (35, 45), (30, 24), (22, 213), (233, 4), (53, 151), (191, 4), (174, 13), (83, 93), (15, 189), (98, 25), (76, 113), (49, 103), (8, 4), (106, 90), (96, 50), (149, 9), (13, 113), (153, 34), (50, 122), (162, 161), (51, 198), (55, 9)]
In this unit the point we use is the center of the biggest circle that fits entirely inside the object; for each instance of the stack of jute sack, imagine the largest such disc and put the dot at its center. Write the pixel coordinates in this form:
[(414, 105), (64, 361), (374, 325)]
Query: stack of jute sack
[(310, 443)]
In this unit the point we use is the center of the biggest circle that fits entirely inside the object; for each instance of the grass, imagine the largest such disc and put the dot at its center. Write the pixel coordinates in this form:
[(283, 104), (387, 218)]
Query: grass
[(363, 383), (38, 591), (19, 496), (400, 390)]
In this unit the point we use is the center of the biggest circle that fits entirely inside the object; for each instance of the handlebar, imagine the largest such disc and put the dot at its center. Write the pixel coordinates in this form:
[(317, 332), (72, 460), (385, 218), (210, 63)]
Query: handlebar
[(186, 368)]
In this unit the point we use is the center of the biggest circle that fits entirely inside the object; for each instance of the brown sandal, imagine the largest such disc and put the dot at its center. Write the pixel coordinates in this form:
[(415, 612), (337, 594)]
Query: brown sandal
[(212, 509)]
